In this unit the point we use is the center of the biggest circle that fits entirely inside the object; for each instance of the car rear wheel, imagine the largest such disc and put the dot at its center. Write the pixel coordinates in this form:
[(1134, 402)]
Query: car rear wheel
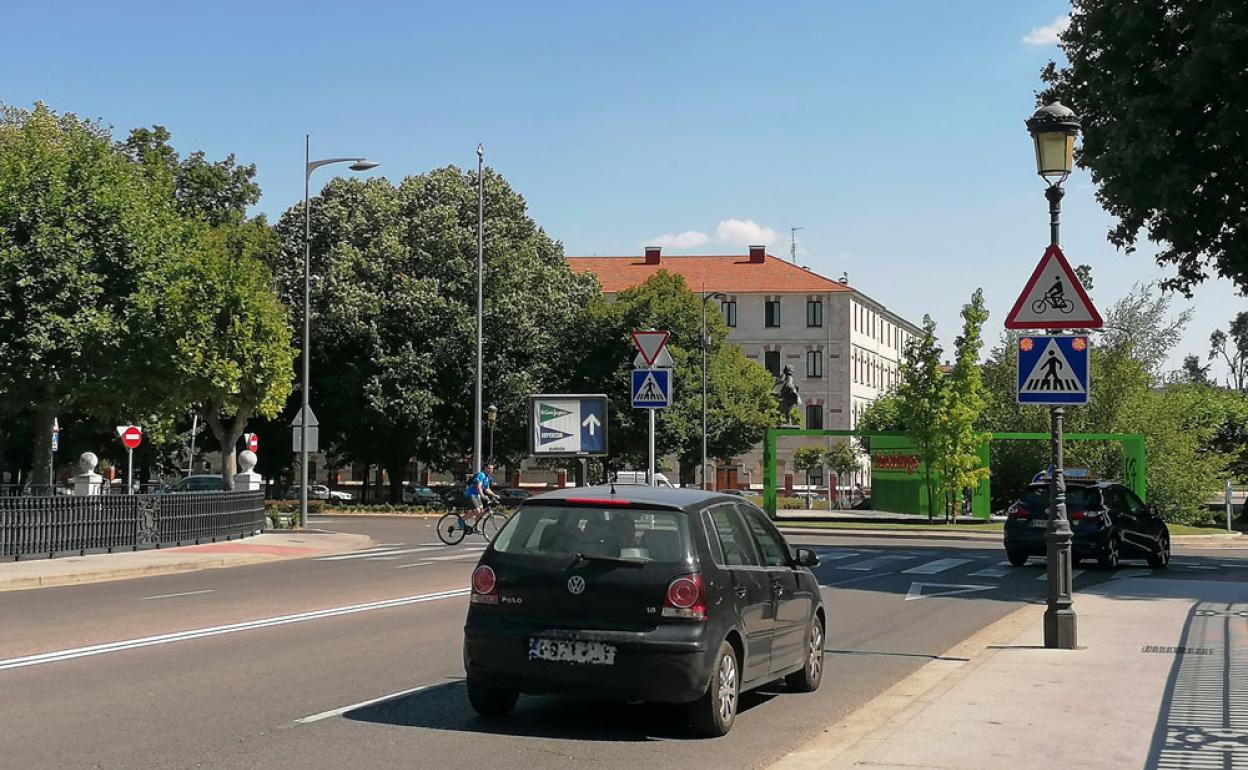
[(1111, 554), (489, 701), (1016, 558), (1161, 557), (712, 715), (808, 678)]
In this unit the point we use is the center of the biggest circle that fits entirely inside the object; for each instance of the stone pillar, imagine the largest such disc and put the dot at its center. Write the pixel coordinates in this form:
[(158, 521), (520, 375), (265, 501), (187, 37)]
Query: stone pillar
[(788, 485), (88, 482), (561, 479), (247, 480)]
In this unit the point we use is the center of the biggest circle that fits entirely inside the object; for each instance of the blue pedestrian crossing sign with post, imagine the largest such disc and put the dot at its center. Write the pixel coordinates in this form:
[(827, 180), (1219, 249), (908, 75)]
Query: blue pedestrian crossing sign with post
[(568, 425), (652, 388), (1053, 370)]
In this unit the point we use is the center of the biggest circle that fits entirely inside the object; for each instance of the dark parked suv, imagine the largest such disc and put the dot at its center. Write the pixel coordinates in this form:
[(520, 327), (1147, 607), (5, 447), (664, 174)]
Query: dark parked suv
[(1109, 522), (642, 594)]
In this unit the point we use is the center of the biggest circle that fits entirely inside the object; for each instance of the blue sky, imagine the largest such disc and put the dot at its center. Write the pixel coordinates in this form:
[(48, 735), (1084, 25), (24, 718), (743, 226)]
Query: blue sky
[(891, 131)]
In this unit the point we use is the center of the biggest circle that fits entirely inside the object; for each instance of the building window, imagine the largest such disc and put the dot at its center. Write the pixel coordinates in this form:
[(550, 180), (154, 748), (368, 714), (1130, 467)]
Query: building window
[(814, 417), (814, 312), (814, 363), (730, 313), (771, 359), (772, 313)]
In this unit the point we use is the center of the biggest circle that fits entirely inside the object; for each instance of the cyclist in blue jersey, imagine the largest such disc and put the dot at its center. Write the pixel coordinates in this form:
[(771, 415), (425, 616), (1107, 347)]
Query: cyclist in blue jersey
[(479, 488)]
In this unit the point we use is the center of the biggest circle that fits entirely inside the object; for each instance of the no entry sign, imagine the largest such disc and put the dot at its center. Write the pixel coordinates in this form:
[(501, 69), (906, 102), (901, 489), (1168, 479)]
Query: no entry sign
[(131, 435), (253, 442)]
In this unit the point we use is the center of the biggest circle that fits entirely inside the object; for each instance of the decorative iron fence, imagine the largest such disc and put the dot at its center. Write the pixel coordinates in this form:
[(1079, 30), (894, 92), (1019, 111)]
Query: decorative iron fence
[(46, 527)]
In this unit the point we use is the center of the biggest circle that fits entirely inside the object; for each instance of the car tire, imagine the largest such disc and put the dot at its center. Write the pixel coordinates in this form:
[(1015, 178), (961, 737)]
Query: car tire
[(489, 701), (712, 715), (807, 679), (1110, 556), (1017, 559), (1161, 557)]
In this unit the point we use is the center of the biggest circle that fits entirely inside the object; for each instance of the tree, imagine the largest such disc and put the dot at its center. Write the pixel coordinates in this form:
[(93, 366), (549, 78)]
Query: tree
[(843, 460), (1233, 349), (81, 230), (808, 458), (921, 398), (1161, 88), (1194, 372), (394, 303), (217, 193), (962, 470)]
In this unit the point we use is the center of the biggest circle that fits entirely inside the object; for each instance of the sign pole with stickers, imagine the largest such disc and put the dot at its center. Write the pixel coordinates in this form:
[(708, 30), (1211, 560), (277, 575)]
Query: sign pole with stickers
[(651, 386)]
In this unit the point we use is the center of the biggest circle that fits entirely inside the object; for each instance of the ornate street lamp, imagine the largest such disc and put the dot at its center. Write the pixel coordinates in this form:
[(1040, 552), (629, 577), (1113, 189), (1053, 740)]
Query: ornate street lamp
[(491, 415)]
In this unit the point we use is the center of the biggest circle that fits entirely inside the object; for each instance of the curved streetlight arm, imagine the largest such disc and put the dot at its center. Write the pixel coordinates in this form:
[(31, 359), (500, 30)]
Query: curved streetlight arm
[(315, 164)]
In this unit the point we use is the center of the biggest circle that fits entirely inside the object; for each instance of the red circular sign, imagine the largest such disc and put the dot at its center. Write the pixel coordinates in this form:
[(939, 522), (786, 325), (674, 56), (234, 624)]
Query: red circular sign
[(132, 437), (253, 442)]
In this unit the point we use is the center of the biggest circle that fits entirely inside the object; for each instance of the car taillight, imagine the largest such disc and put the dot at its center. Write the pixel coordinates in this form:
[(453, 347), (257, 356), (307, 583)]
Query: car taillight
[(1019, 512), (686, 598), (483, 582), (1085, 515)]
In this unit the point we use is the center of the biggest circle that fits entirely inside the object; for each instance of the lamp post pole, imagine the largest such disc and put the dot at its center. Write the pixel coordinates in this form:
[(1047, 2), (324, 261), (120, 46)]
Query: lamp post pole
[(476, 424), (309, 165), (491, 414), (706, 343)]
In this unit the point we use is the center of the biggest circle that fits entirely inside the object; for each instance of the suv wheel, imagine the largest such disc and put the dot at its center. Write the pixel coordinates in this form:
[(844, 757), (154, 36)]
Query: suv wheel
[(1016, 558), (712, 715), (1111, 554), (808, 678), (491, 701), (1161, 557)]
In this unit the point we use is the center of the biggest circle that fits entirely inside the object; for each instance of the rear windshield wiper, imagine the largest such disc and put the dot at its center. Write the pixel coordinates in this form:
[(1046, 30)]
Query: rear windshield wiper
[(580, 557)]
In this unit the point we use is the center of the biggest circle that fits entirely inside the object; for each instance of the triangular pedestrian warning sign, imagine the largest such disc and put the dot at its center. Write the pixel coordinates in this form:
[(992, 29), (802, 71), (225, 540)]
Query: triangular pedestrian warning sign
[(1052, 373), (1053, 298), (649, 391), (547, 412), (649, 344)]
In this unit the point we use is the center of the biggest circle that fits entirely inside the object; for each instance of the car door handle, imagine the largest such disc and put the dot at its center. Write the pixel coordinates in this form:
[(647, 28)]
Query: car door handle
[(742, 591)]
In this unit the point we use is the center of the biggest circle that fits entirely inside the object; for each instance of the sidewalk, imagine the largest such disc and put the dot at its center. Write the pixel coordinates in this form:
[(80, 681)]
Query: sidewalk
[(1160, 681), (274, 546)]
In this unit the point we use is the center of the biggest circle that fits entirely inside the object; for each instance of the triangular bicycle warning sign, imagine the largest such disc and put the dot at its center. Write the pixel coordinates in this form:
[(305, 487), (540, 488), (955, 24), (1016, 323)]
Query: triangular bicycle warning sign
[(1051, 373), (649, 344), (1053, 298)]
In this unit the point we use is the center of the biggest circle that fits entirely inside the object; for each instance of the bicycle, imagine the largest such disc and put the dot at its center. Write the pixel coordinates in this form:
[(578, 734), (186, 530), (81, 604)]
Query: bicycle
[(1062, 304), (452, 528)]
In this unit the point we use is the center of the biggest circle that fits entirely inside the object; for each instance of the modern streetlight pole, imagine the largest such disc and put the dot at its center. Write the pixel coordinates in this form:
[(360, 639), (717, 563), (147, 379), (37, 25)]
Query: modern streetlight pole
[(706, 343), (476, 420), (1053, 129), (309, 165)]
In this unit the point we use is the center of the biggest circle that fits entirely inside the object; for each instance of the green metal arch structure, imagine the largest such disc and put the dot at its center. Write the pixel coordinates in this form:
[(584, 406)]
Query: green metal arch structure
[(1133, 458)]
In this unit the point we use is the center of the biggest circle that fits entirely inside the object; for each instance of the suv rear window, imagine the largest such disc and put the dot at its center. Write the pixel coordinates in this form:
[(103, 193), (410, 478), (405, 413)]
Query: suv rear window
[(1036, 498), (644, 535)]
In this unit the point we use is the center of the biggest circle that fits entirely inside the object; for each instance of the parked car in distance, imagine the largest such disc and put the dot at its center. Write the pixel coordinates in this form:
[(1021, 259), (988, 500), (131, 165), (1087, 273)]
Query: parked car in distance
[(1109, 521), (320, 492), (512, 496), (642, 594), (421, 496), (202, 483), (738, 492), (639, 477)]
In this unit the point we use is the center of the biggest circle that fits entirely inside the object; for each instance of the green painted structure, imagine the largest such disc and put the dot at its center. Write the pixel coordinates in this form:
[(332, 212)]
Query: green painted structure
[(897, 470)]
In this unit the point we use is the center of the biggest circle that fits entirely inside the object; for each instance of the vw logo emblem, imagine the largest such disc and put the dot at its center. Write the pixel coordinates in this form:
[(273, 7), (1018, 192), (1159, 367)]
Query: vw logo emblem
[(576, 584)]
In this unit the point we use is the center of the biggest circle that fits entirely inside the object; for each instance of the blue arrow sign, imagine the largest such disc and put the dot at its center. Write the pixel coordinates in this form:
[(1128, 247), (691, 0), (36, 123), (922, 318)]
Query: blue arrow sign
[(1053, 370), (652, 388)]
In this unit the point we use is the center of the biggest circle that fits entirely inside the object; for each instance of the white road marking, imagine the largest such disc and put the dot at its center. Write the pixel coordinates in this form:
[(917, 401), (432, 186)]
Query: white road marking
[(360, 705), (200, 633), (870, 564), (414, 564), (1131, 572), (184, 593), (1199, 566), (1000, 569), (1074, 573), (454, 557), (383, 558), (947, 589), (370, 554), (836, 556), (933, 567)]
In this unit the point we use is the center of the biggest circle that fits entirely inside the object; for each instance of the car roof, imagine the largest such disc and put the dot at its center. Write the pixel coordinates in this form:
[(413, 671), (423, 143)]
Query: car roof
[(670, 497)]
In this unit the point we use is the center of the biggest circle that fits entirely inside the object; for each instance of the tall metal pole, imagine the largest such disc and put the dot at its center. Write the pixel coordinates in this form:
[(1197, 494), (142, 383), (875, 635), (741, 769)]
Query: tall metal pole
[(190, 462), (702, 341), (652, 448), (1060, 621), (476, 415), (306, 386)]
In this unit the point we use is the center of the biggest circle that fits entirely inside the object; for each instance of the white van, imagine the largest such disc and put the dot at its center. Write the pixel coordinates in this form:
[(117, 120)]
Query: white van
[(639, 477)]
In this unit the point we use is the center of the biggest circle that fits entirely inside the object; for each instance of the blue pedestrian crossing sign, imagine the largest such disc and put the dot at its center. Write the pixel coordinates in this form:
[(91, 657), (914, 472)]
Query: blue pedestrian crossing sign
[(568, 425), (652, 388), (1053, 370)]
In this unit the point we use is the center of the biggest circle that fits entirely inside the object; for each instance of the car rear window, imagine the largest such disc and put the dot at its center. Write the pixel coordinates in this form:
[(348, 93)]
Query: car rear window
[(644, 535), (1036, 498)]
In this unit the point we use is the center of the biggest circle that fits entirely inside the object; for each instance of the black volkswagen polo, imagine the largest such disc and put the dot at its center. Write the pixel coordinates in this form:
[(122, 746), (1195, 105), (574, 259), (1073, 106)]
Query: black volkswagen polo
[(642, 594)]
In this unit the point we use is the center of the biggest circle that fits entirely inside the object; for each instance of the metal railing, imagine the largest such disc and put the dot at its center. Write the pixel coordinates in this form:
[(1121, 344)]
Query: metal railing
[(66, 525)]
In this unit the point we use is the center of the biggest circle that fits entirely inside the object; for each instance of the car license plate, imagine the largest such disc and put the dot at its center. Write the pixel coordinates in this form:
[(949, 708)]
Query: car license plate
[(1040, 524), (569, 651)]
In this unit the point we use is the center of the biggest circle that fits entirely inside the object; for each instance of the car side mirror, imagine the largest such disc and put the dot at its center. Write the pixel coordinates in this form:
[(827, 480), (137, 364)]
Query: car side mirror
[(807, 558)]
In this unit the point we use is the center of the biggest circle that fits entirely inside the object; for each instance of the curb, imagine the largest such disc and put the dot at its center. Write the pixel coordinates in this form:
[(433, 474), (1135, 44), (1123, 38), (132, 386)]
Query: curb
[(105, 575), (848, 740), (901, 533)]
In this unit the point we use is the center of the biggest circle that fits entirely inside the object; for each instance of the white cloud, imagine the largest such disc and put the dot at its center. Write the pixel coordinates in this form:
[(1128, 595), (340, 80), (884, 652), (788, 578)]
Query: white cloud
[(1048, 35), (685, 240), (744, 232)]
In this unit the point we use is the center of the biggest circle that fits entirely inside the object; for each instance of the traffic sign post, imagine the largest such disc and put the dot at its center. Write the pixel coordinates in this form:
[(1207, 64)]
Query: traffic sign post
[(1053, 370), (652, 387), (131, 437), (568, 425), (251, 441), (1053, 298)]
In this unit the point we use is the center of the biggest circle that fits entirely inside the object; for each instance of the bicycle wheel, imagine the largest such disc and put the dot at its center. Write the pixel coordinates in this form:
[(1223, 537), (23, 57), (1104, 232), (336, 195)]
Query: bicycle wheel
[(490, 524), (451, 529), (1066, 306), (1039, 306)]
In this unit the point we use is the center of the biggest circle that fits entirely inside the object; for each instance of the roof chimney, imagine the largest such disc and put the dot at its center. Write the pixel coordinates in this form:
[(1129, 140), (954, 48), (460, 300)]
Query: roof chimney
[(758, 254), (652, 255)]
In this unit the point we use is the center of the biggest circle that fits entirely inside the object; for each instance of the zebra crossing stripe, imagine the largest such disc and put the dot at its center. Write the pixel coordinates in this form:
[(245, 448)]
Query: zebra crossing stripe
[(1000, 569), (371, 554), (878, 561), (934, 567), (1074, 573)]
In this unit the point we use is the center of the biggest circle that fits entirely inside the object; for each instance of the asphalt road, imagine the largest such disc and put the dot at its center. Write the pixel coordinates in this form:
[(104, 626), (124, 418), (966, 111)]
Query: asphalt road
[(355, 661)]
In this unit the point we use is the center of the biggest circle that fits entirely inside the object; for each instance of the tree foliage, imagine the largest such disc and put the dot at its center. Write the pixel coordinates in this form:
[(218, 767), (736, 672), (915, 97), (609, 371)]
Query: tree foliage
[(1231, 347), (921, 400), (1161, 88), (962, 469)]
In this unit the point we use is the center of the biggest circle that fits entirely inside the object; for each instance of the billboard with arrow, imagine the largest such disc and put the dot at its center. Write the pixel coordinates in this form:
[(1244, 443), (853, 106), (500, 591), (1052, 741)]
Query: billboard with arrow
[(567, 425)]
